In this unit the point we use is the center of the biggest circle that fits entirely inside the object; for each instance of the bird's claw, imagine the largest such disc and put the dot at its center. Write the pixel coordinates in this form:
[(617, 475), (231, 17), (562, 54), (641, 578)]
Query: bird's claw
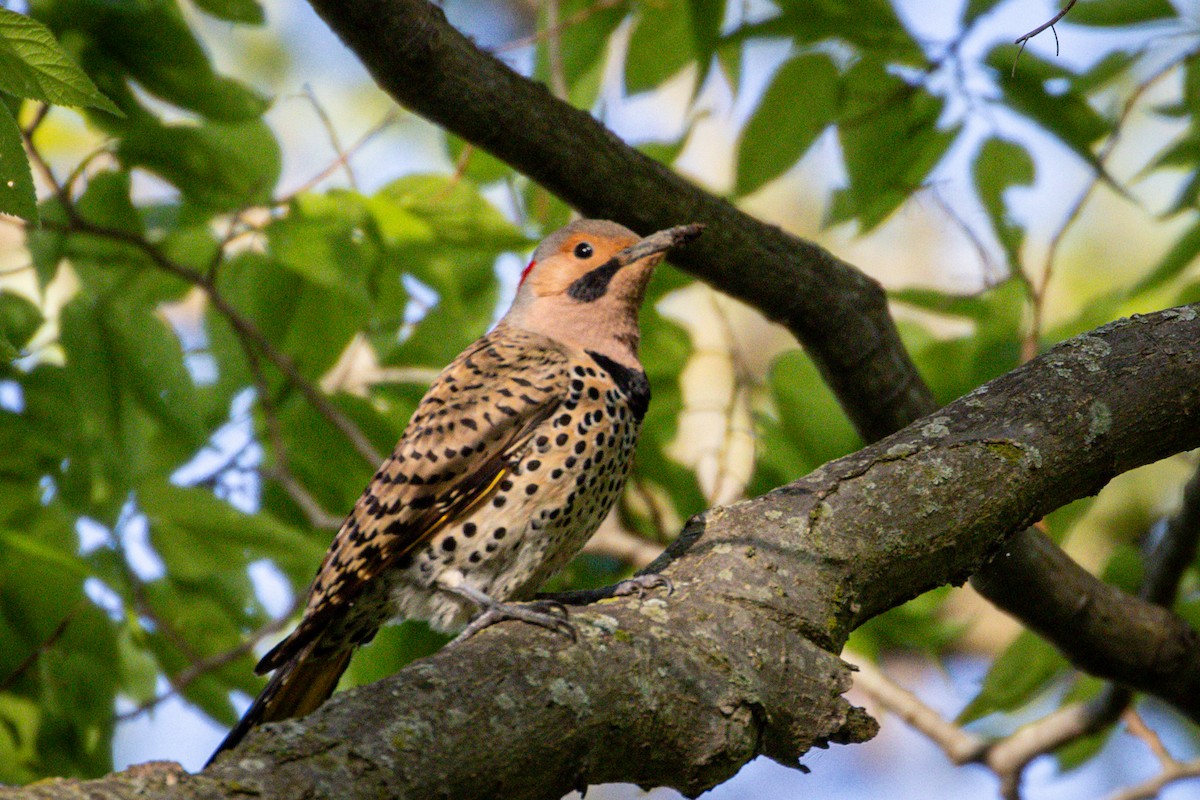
[(549, 614)]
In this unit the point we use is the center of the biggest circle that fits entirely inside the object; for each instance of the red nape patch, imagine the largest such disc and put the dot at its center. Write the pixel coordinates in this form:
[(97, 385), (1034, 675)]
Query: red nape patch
[(525, 273)]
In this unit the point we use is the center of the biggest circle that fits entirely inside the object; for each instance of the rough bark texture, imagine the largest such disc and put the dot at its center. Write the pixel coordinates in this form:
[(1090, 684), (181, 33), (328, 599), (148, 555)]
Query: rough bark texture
[(683, 690), (839, 314)]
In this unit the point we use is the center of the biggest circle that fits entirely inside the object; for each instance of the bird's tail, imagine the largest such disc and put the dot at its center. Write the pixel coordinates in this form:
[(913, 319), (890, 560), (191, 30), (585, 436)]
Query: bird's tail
[(297, 688)]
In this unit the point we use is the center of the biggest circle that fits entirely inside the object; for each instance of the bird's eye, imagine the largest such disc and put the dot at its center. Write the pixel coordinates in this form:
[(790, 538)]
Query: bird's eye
[(583, 250)]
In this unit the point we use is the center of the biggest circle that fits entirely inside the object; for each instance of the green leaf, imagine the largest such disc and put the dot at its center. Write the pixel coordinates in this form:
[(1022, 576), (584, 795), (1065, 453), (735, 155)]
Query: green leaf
[(19, 320), (220, 166), (1066, 115), (868, 26), (151, 42), (206, 533), (33, 65), (582, 45), (918, 625), (809, 414), (1181, 255), (153, 370), (662, 43), (17, 195), (249, 12), (392, 649), (800, 102), (330, 241), (1019, 674), (998, 166), (956, 366), (454, 211), (1119, 12), (975, 9), (890, 143)]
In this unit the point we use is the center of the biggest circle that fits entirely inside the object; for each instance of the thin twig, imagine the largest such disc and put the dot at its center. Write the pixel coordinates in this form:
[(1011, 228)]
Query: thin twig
[(44, 646), (558, 79), (1023, 40), (242, 326), (1046, 25), (1038, 291), (1137, 726), (317, 516), (1009, 756), (959, 745), (197, 669), (38, 116), (554, 30), (331, 131), (1151, 788), (389, 119)]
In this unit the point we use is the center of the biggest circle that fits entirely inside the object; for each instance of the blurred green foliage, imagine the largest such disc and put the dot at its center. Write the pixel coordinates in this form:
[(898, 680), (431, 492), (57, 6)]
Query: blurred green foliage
[(122, 413)]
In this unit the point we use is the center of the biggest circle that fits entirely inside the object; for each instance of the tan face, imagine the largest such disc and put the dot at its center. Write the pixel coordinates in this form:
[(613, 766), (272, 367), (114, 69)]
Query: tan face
[(585, 284), (574, 254)]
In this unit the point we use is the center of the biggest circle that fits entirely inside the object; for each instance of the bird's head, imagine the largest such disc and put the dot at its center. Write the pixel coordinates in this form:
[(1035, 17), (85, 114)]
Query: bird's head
[(585, 283)]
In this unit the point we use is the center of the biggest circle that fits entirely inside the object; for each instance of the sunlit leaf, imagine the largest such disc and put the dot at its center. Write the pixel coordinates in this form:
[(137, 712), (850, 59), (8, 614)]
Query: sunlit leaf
[(1018, 675), (17, 196), (33, 65), (800, 102), (999, 166)]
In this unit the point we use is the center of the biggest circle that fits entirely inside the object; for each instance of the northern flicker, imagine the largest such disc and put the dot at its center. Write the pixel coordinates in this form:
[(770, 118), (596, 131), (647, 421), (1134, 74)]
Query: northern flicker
[(511, 461)]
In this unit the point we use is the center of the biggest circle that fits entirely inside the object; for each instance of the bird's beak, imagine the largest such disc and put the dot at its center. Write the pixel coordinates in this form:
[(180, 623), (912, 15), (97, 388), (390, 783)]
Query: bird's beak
[(657, 243)]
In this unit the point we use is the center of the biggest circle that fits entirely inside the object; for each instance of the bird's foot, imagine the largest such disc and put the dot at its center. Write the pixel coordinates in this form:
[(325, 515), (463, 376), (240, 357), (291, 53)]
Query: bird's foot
[(549, 614)]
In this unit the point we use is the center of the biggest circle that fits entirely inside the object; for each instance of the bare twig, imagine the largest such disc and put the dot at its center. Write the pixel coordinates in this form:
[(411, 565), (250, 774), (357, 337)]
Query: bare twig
[(389, 119), (331, 131), (558, 79), (1023, 40), (197, 669), (1038, 290), (1172, 769), (317, 516), (1007, 757), (1151, 788), (959, 745), (46, 644), (38, 116), (555, 29), (1137, 726)]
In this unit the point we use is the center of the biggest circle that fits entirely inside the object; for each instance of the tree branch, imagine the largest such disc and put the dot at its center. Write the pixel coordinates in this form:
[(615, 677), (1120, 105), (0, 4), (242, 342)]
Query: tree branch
[(431, 68), (739, 661), (839, 314)]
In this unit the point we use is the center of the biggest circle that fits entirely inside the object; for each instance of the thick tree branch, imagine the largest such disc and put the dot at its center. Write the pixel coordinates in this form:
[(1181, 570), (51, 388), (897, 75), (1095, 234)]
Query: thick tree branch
[(739, 661), (838, 313)]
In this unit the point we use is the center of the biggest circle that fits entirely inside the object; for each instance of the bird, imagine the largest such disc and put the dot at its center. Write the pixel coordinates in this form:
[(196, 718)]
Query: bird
[(508, 465)]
